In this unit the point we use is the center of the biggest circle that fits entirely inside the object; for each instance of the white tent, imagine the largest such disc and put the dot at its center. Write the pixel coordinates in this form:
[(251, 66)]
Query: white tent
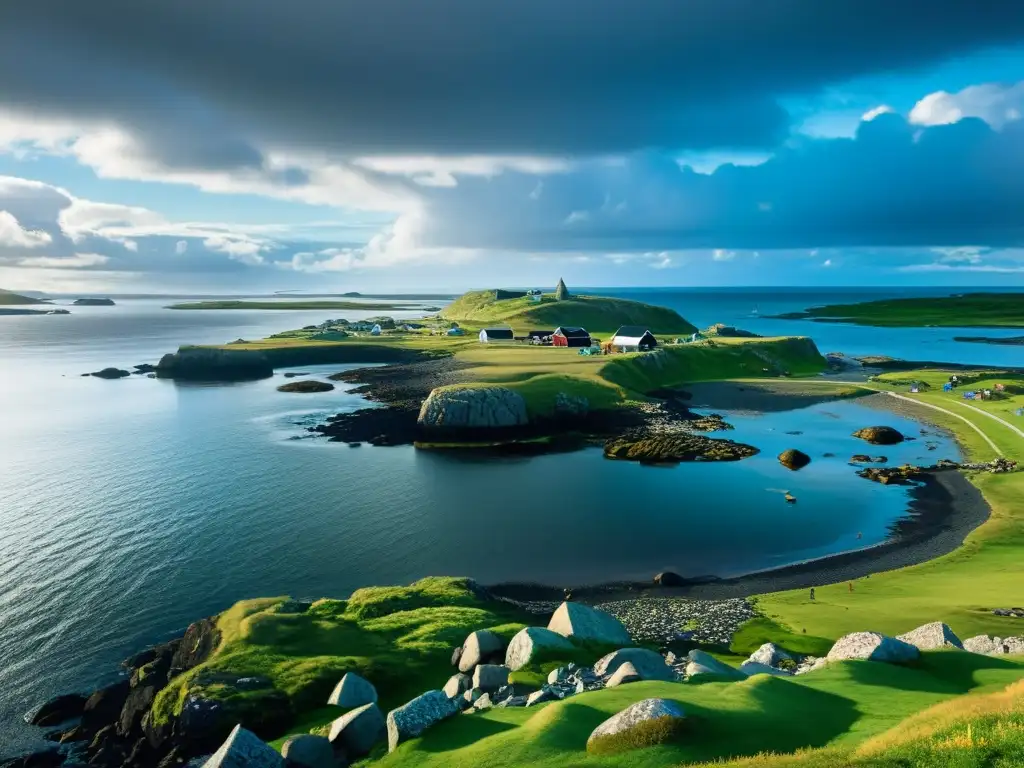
[(375, 331)]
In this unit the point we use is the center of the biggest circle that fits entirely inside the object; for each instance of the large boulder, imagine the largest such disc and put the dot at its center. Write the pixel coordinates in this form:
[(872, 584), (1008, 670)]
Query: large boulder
[(626, 673), (208, 364), (770, 655), (994, 646), (791, 458), (582, 622), (104, 706), (412, 719), (703, 663), (931, 636), (529, 643), (648, 664), (309, 751), (473, 408), (751, 668), (457, 685), (357, 732), (243, 749), (872, 646), (880, 435), (636, 715), (352, 691), (59, 710), (481, 647), (490, 677)]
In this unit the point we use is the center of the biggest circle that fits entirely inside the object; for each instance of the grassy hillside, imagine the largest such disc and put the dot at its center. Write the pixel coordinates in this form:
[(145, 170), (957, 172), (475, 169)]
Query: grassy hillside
[(310, 304), (13, 299), (598, 314), (980, 310)]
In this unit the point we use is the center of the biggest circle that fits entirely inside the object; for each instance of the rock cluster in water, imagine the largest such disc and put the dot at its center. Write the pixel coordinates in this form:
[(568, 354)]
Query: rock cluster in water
[(473, 408), (880, 435), (675, 447)]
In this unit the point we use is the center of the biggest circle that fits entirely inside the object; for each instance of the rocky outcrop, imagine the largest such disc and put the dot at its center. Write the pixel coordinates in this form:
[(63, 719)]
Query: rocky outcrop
[(59, 710), (412, 719), (634, 716), (308, 751), (307, 385), (793, 459), (880, 435), (473, 408), (646, 663), (700, 663), (751, 668), (358, 731), (994, 646), (675, 447), (110, 373), (932, 636), (352, 691), (481, 647), (209, 364), (490, 677), (873, 646), (529, 643), (770, 655), (244, 749), (457, 685), (626, 673), (581, 622), (93, 302)]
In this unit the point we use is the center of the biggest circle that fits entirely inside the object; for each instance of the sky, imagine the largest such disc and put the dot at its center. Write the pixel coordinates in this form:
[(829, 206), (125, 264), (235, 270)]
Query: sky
[(236, 146)]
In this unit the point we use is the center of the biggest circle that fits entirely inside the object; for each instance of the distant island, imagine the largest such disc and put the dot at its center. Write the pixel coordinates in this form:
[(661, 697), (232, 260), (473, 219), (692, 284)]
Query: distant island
[(284, 305), (972, 310), (11, 299), (94, 302)]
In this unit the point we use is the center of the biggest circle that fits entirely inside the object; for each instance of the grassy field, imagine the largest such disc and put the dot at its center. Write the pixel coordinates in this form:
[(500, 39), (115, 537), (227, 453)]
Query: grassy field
[(600, 315), (960, 588), (308, 304), (981, 310)]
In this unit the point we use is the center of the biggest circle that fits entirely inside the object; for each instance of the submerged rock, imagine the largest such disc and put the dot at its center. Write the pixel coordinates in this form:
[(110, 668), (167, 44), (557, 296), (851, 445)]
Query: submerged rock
[(873, 646), (676, 447), (880, 435), (791, 458), (110, 373), (306, 385)]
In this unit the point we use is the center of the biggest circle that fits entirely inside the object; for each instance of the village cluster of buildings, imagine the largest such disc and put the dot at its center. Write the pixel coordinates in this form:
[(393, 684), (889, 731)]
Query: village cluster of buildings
[(629, 338)]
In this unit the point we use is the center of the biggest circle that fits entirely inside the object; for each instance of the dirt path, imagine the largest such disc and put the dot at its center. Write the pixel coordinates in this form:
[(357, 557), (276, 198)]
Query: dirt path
[(1002, 421), (970, 423)]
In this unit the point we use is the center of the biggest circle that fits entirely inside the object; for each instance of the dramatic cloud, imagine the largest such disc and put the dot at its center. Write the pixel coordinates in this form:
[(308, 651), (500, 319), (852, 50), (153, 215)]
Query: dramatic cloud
[(210, 85), (996, 104), (891, 185), (13, 235)]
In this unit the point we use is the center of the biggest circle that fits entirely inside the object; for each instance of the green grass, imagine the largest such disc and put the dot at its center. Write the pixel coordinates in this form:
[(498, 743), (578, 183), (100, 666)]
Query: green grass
[(598, 314), (399, 638), (980, 310), (839, 707), (235, 304)]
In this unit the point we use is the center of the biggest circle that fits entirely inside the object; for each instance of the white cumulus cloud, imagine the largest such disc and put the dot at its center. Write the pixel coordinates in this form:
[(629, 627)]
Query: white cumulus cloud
[(13, 235), (995, 103)]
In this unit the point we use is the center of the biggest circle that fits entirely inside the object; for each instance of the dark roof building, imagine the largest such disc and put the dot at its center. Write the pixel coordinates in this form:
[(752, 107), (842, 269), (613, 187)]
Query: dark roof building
[(496, 334), (570, 336), (634, 337)]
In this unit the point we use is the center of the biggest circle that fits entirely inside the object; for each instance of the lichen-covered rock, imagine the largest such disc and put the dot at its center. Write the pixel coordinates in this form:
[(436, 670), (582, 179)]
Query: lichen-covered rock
[(473, 408), (490, 677), (412, 719), (352, 691), (769, 655), (636, 714), (582, 622), (309, 751), (646, 663), (791, 458), (675, 447), (873, 646), (481, 647), (626, 673), (529, 643), (994, 646), (457, 685), (243, 749), (751, 668), (359, 730), (880, 435), (703, 663), (931, 636)]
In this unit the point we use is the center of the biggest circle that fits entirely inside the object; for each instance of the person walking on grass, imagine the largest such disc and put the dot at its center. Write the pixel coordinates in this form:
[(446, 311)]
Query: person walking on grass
[(812, 594)]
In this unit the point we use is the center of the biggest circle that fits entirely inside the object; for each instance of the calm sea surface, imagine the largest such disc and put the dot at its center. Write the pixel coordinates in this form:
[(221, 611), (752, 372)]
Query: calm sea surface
[(130, 508)]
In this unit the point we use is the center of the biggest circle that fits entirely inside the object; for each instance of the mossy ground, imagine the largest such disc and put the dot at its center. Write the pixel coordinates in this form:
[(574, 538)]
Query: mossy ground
[(980, 310)]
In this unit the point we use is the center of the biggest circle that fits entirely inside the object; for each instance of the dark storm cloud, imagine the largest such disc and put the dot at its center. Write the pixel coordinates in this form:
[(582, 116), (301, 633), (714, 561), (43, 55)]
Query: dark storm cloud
[(892, 185), (464, 76)]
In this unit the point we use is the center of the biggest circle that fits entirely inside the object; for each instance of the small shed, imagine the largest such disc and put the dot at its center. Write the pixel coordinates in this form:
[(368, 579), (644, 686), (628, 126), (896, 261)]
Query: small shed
[(634, 338), (375, 331), (496, 334), (570, 336), (538, 336)]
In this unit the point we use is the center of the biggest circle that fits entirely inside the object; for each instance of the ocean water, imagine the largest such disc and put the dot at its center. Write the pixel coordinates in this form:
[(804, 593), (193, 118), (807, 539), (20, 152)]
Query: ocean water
[(130, 508)]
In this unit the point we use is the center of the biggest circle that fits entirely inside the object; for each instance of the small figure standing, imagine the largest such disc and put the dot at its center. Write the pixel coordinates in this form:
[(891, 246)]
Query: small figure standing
[(851, 586), (812, 594)]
